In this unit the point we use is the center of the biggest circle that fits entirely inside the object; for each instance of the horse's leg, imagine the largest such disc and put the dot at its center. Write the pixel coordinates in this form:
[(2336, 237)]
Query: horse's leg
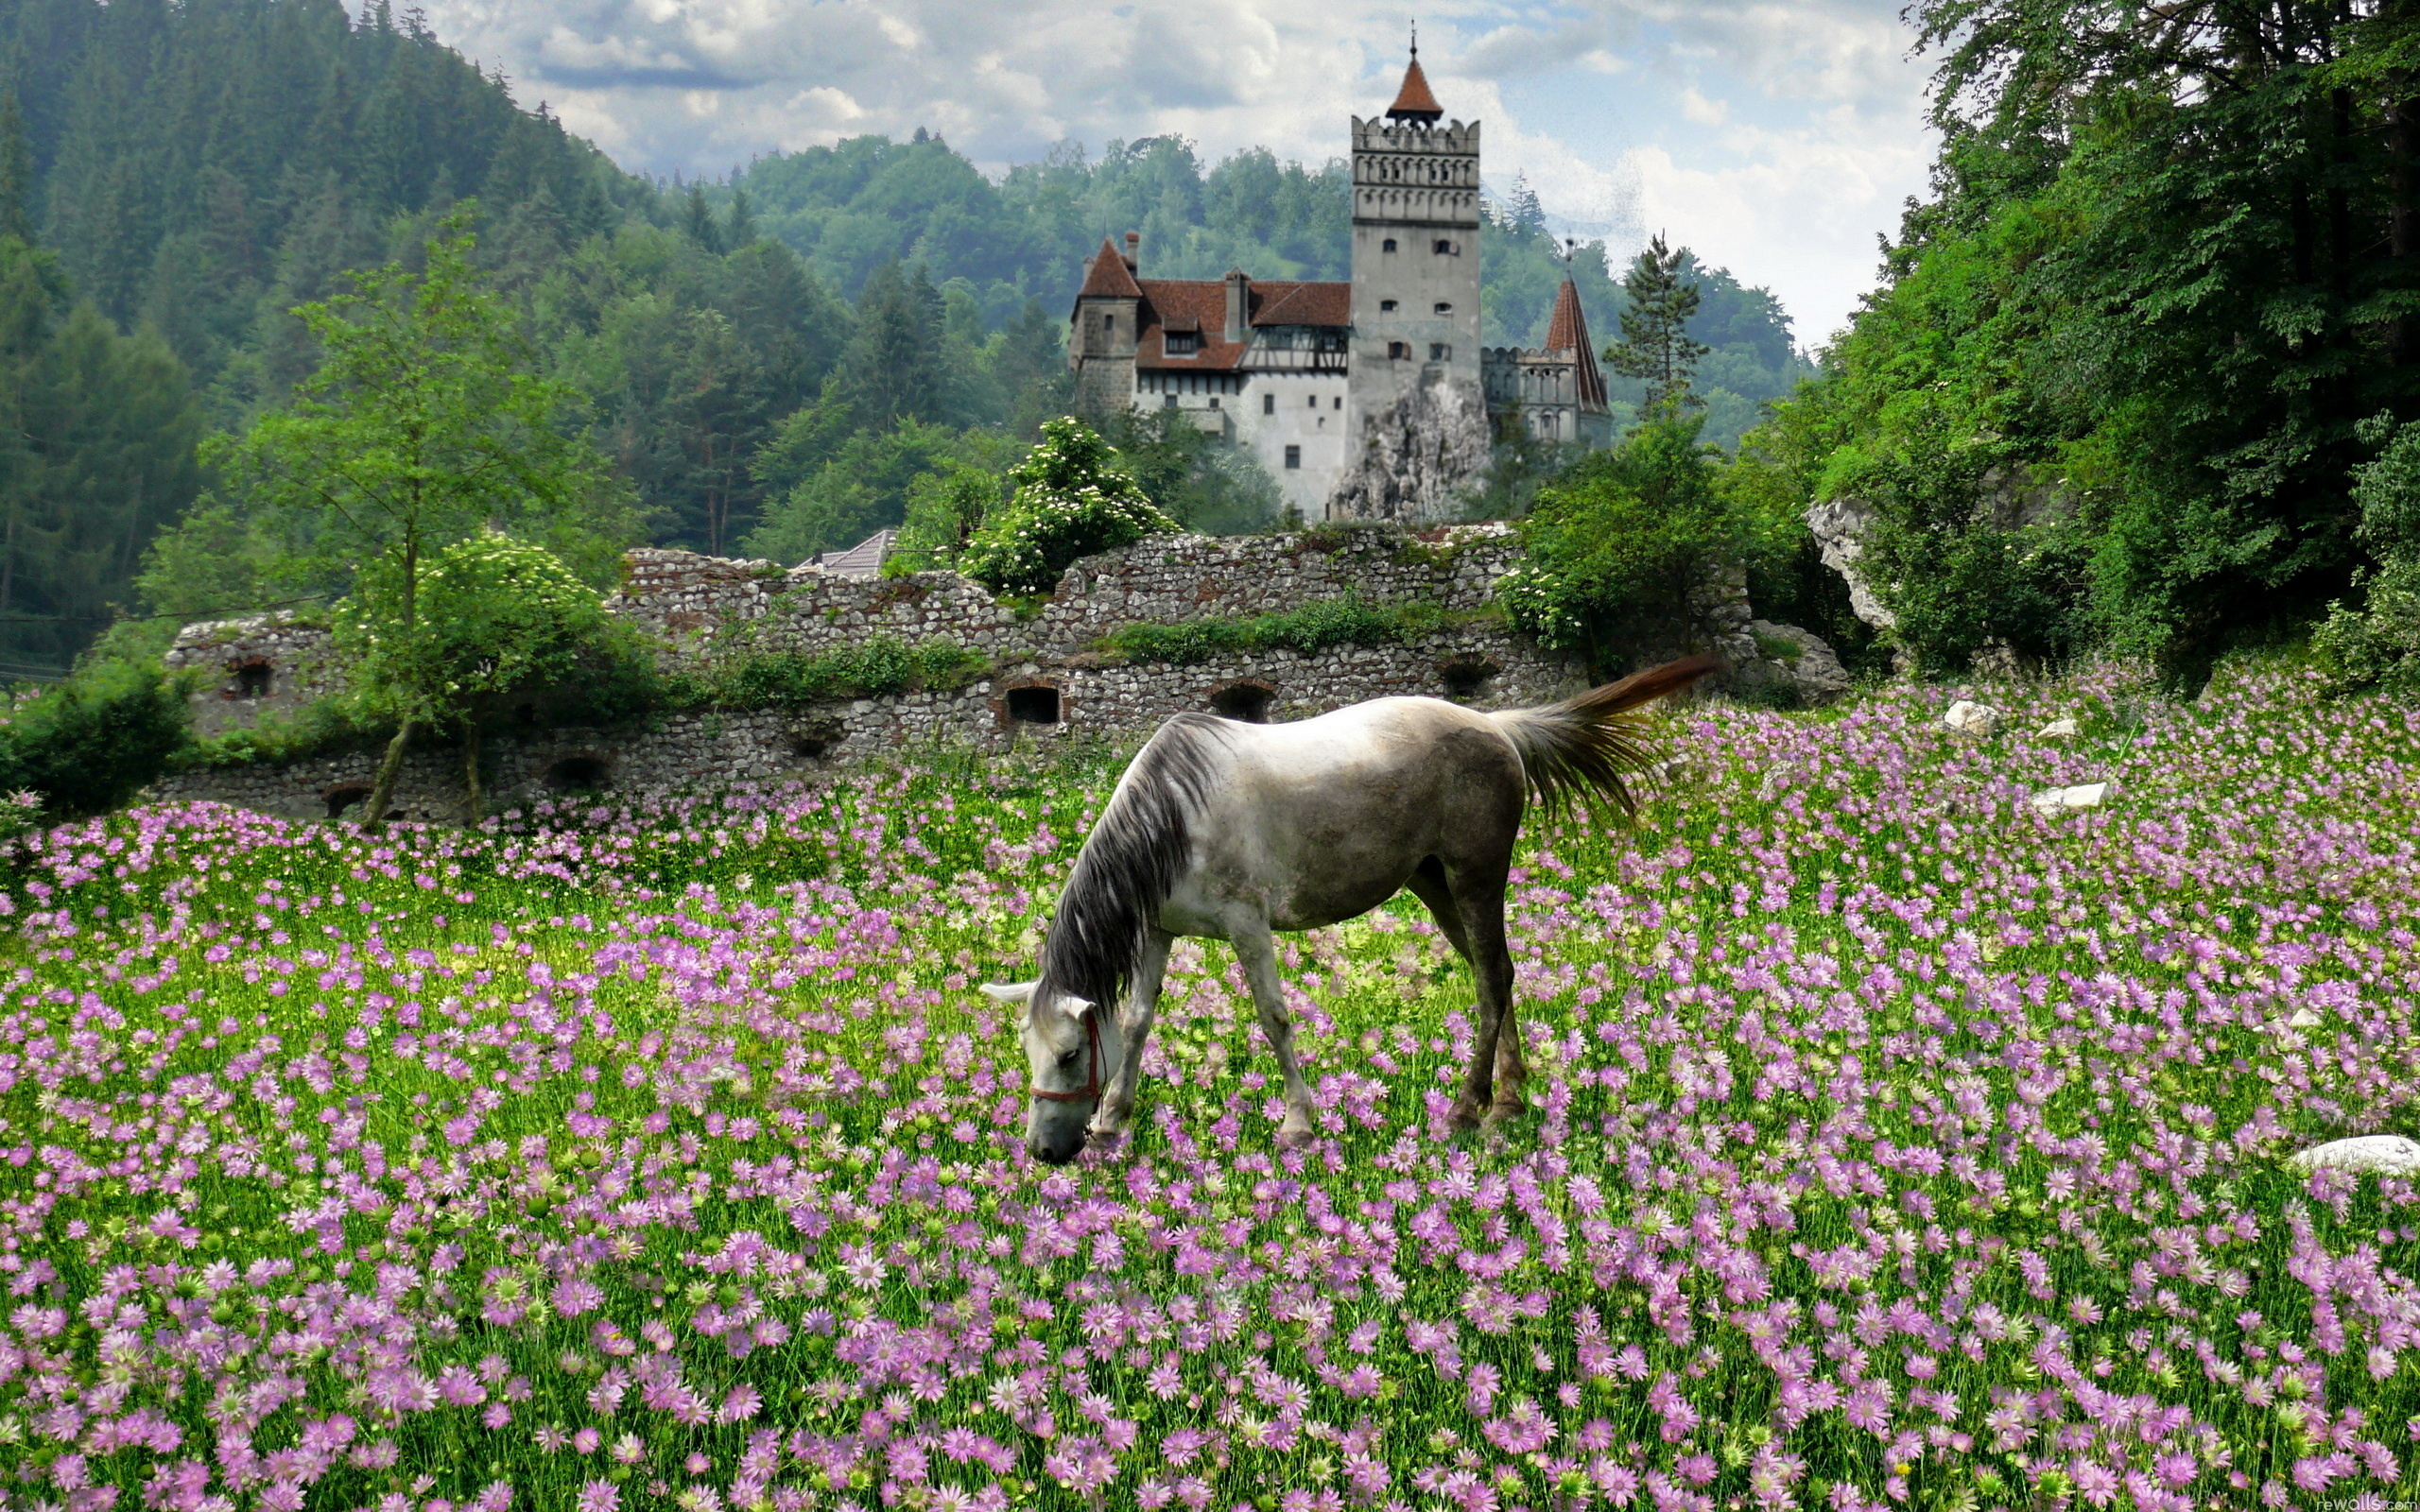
[(1258, 954), (1428, 885), (1479, 898), (1142, 999)]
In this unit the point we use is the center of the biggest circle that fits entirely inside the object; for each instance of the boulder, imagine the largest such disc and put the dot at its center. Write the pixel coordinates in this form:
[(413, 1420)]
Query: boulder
[(2057, 799), (2305, 1019), (2374, 1154), (1839, 527), (1814, 672), (2057, 730), (1968, 718)]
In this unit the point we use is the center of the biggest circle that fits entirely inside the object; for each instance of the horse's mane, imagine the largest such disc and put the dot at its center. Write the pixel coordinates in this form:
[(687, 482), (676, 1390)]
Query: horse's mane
[(1130, 864)]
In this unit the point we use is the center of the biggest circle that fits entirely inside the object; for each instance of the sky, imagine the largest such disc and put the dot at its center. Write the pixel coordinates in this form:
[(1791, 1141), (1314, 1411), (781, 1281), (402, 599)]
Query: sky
[(1775, 137)]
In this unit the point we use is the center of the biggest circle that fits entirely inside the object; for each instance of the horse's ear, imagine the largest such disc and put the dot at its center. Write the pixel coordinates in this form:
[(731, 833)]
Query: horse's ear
[(1078, 1007), (1020, 993)]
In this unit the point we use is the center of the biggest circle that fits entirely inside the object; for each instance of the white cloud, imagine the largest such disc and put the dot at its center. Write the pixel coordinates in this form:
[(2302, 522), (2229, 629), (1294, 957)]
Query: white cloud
[(1776, 137)]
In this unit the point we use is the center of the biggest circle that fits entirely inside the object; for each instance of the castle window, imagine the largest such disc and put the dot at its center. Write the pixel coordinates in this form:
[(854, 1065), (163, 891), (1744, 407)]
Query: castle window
[(1168, 400), (1388, 246), (1293, 456), (1386, 305), (1398, 351), (1447, 249), (252, 680), (1314, 399), (1340, 401), (1214, 400), (1443, 308), (1182, 343), (1439, 352), (1109, 325), (1269, 404)]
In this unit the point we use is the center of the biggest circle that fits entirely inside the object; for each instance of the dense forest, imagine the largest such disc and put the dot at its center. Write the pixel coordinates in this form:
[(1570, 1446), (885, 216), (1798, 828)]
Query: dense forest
[(771, 359), (2142, 370)]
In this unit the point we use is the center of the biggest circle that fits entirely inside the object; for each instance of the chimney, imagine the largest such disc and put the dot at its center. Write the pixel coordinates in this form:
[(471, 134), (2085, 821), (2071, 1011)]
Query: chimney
[(1238, 305), (1134, 251)]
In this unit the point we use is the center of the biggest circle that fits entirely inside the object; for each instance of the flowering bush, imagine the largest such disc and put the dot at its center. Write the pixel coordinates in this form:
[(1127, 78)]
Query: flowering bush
[(494, 616), (1898, 1145), (1072, 499)]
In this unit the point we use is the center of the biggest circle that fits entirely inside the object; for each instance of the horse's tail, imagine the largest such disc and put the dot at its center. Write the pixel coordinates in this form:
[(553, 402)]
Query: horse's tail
[(1578, 750)]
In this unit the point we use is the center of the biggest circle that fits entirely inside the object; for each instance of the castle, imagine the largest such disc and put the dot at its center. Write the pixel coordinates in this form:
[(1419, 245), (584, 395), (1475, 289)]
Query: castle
[(1368, 399)]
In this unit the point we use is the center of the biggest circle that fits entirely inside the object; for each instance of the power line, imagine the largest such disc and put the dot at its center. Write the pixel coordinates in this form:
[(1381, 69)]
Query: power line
[(174, 615)]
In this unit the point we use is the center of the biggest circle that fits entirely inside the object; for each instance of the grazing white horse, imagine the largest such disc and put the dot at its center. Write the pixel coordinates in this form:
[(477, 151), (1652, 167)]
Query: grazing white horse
[(1220, 829)]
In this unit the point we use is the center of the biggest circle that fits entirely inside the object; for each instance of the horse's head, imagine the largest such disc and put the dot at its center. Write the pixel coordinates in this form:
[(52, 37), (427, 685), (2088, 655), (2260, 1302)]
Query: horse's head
[(1072, 1050)]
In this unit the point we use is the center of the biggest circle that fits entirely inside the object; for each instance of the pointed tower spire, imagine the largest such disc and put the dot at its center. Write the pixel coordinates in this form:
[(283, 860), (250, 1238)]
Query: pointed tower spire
[(1567, 331), (1414, 102), (1108, 277)]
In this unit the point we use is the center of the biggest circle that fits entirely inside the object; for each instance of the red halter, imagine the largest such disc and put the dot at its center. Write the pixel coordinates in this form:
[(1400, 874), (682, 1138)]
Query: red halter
[(1092, 1082)]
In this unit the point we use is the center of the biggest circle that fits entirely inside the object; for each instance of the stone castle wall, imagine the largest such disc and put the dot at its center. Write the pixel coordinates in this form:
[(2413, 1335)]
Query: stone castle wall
[(704, 609)]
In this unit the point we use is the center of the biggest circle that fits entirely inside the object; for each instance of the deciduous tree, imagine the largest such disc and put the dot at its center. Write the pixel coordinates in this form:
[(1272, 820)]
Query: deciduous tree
[(422, 424)]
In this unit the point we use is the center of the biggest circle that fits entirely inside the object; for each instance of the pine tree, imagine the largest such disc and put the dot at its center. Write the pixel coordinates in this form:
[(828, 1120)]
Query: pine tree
[(1524, 214), (893, 367), (697, 219), (741, 228), (1659, 298), (16, 172)]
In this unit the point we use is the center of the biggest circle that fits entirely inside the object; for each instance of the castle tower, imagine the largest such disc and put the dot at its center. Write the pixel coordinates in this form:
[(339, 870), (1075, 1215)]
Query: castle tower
[(1415, 256), (1107, 330), (1415, 248)]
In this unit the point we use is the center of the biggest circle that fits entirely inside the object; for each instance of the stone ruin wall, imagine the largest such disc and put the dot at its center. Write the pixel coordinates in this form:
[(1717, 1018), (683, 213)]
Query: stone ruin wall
[(705, 609)]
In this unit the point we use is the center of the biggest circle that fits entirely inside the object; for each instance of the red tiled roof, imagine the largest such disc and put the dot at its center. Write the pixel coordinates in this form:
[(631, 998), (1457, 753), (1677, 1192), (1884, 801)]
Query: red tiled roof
[(1201, 304), (1567, 331), (1108, 276), (1304, 304), (1415, 100)]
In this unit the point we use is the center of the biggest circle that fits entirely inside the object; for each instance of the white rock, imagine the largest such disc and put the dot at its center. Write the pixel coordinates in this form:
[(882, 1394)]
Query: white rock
[(2305, 1019), (2054, 800), (1972, 718), (2056, 729), (2384, 1154)]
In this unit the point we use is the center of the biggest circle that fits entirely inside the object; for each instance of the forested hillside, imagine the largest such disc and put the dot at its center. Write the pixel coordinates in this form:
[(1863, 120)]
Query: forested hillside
[(2142, 354), (772, 360)]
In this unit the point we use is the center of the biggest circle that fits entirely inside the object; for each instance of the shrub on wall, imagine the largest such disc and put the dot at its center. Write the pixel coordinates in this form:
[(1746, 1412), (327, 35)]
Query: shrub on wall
[(881, 666), (1072, 499), (1621, 534), (1312, 628)]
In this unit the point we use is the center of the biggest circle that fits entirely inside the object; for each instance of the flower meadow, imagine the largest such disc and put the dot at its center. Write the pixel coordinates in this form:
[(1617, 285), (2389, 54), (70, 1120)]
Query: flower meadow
[(1896, 1145)]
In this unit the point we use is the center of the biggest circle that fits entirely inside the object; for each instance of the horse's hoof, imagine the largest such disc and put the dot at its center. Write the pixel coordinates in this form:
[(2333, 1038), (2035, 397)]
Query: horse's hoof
[(1506, 1112), (1295, 1139)]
